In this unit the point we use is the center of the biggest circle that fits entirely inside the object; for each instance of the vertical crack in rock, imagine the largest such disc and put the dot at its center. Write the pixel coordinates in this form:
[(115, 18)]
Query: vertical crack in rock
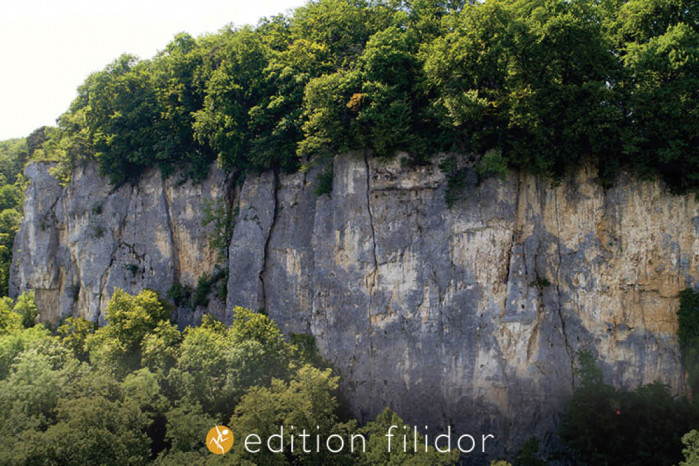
[(371, 224), (171, 232), (119, 235), (515, 232), (231, 198), (558, 292), (510, 258), (266, 251)]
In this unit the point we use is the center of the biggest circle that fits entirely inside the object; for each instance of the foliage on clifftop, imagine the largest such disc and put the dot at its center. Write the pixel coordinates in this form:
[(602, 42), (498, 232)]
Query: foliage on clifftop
[(545, 83)]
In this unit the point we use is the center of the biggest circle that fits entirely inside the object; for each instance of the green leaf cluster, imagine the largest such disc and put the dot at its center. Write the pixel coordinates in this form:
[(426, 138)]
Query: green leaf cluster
[(547, 85), (140, 391)]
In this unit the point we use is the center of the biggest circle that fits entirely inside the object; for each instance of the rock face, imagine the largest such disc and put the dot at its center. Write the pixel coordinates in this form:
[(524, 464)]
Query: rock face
[(469, 316), (78, 243)]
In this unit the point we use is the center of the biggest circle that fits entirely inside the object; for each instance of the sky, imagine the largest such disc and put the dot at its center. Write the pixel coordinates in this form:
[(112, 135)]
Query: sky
[(49, 47)]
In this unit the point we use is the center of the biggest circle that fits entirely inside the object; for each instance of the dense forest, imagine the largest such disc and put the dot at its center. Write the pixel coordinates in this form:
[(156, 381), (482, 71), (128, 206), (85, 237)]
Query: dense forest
[(139, 390), (542, 85)]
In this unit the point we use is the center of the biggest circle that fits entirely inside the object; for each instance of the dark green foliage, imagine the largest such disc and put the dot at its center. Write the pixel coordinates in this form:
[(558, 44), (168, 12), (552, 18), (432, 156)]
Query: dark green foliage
[(688, 333), (36, 139), (492, 164), (200, 297), (133, 269), (215, 283), (13, 155), (456, 179), (218, 214), (541, 86), (25, 307), (179, 294), (542, 282), (605, 426), (307, 349), (232, 89), (59, 410), (324, 182), (529, 454)]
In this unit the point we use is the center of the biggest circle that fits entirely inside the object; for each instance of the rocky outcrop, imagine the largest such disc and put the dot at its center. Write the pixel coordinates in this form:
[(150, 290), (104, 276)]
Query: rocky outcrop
[(79, 242), (469, 316)]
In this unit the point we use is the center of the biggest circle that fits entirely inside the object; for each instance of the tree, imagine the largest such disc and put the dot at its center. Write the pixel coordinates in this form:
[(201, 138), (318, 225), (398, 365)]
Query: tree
[(73, 332), (130, 319), (306, 402), (10, 321), (180, 93), (89, 430), (663, 106), (378, 451), (691, 450), (16, 342), (233, 87), (217, 365)]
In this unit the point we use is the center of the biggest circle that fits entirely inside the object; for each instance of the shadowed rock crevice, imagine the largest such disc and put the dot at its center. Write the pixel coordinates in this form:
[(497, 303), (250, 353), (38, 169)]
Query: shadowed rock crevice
[(559, 304), (266, 249), (371, 221), (171, 227)]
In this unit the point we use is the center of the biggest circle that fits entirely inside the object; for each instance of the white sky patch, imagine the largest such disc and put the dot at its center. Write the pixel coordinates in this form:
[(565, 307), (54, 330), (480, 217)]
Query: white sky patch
[(49, 47)]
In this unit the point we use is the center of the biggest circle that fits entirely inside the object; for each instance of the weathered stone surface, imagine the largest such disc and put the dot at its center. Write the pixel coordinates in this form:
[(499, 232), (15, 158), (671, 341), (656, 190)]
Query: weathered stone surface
[(469, 315), (81, 241), (247, 253)]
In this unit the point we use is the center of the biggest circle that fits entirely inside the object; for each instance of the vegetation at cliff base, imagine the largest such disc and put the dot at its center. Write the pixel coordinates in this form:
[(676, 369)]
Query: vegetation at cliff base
[(540, 85), (140, 391), (688, 333), (606, 426)]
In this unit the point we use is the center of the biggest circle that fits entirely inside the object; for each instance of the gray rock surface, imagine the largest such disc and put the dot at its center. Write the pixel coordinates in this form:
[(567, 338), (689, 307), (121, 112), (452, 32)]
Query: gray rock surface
[(80, 242), (468, 316)]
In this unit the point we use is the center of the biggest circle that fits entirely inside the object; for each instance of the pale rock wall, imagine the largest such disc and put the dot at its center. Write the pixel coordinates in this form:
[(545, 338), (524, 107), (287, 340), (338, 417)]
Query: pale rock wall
[(79, 242), (470, 315)]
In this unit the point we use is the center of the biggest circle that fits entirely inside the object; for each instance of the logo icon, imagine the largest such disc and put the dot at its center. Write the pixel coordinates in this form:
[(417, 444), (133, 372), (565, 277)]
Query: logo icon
[(219, 440)]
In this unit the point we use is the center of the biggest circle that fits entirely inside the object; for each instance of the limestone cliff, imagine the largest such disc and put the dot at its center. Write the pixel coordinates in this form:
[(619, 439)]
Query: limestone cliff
[(469, 315)]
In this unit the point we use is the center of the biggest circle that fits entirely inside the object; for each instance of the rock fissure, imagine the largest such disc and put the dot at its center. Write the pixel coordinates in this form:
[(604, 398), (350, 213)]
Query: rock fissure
[(266, 250), (374, 277), (119, 239), (172, 233), (559, 301)]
